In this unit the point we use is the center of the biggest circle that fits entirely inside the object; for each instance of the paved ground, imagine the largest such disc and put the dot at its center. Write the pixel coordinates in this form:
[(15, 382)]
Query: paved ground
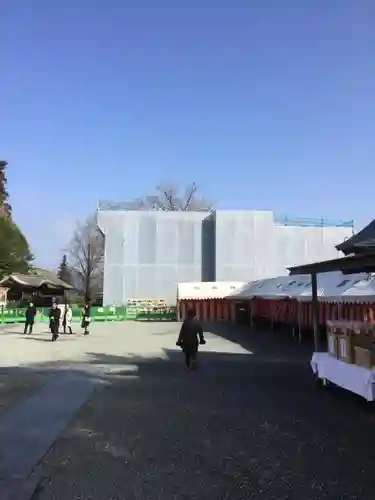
[(15, 385), (250, 424)]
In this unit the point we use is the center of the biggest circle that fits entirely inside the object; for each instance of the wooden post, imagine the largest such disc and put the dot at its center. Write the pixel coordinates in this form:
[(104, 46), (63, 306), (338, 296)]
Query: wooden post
[(299, 321), (315, 306)]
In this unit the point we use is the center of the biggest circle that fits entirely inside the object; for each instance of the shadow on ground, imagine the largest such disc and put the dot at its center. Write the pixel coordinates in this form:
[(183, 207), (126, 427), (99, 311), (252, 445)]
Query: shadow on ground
[(244, 426), (264, 343)]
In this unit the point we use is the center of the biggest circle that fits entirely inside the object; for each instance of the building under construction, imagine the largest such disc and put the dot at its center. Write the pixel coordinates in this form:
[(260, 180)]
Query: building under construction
[(147, 253)]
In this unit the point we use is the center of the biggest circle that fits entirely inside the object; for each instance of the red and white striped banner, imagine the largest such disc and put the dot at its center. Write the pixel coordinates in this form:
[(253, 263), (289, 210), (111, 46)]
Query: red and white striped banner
[(278, 311)]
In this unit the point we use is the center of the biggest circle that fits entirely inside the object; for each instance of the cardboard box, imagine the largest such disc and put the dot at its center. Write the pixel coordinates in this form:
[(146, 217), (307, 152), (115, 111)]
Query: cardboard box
[(363, 340), (364, 357), (333, 348)]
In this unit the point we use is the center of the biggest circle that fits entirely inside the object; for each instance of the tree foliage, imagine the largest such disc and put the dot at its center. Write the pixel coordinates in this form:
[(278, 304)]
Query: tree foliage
[(64, 271), (15, 255), (86, 250), (169, 198), (5, 208), (4, 195)]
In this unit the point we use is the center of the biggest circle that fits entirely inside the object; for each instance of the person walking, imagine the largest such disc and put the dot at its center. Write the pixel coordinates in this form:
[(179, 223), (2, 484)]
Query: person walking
[(54, 321), (30, 318), (67, 319), (191, 330), (86, 317)]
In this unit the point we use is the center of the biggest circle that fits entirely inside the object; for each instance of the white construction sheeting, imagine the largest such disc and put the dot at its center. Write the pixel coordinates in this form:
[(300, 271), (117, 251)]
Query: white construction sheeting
[(332, 287), (147, 252), (207, 290), (257, 244)]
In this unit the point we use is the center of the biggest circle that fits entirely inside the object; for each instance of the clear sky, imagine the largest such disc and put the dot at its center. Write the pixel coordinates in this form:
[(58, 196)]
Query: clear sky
[(266, 104)]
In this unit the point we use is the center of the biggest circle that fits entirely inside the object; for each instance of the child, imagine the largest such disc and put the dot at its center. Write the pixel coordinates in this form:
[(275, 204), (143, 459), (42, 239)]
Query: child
[(191, 329)]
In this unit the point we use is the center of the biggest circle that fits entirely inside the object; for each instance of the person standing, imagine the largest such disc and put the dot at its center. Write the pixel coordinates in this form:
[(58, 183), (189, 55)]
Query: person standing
[(191, 330), (54, 321), (86, 318), (67, 319), (30, 318)]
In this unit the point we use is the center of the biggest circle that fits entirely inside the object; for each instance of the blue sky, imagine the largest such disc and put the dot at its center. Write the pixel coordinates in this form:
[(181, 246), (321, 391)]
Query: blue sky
[(266, 104)]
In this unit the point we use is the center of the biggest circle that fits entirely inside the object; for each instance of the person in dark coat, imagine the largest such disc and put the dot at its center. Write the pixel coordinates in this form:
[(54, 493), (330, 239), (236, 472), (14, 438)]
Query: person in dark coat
[(30, 318), (86, 318), (191, 331), (54, 321)]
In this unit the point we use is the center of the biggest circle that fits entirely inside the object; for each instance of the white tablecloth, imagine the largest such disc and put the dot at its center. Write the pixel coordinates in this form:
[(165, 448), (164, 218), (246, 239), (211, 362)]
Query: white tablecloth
[(354, 378)]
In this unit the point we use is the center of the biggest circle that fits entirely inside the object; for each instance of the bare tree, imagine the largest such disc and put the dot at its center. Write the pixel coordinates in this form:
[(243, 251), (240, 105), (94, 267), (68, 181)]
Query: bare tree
[(86, 252), (168, 198)]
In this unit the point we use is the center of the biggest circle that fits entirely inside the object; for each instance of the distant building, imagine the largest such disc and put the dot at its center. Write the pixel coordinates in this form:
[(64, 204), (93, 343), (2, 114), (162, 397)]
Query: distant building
[(147, 253), (41, 285)]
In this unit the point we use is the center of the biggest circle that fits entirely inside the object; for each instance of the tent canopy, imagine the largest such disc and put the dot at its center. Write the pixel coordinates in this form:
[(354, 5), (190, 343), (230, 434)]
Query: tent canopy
[(332, 287), (361, 291), (280, 287), (362, 242), (208, 290)]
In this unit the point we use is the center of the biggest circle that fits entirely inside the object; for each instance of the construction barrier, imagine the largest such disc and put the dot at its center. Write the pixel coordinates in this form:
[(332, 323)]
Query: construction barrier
[(157, 316), (98, 314)]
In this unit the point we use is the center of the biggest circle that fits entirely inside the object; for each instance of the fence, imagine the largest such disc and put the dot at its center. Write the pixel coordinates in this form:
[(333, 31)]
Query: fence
[(284, 220), (98, 314)]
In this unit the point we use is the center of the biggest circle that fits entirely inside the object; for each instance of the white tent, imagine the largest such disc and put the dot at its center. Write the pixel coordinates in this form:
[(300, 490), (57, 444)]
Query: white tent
[(272, 288), (331, 286), (207, 290), (247, 291), (362, 290)]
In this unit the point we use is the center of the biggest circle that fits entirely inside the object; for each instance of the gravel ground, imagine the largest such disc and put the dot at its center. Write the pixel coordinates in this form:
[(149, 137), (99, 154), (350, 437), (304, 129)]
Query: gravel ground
[(245, 426)]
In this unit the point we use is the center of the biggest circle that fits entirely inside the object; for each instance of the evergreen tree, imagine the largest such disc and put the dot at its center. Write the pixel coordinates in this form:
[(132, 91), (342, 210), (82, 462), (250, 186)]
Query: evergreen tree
[(15, 255), (64, 271)]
